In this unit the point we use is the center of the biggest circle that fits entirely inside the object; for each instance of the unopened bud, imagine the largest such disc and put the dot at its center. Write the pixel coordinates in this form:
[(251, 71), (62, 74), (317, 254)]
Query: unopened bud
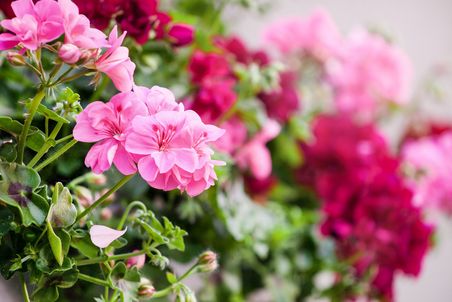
[(181, 34), (109, 199), (15, 59), (137, 261), (96, 179), (146, 289), (106, 214), (69, 53), (83, 196), (207, 262)]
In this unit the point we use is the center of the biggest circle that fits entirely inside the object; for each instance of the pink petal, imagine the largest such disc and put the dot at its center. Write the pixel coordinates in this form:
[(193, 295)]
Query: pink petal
[(101, 155), (103, 236), (124, 161), (147, 168)]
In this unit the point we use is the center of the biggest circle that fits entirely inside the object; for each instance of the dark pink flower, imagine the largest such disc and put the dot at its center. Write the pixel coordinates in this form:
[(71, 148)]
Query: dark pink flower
[(181, 34)]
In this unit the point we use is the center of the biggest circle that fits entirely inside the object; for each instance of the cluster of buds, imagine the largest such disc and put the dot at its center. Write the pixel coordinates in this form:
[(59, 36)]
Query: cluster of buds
[(207, 262)]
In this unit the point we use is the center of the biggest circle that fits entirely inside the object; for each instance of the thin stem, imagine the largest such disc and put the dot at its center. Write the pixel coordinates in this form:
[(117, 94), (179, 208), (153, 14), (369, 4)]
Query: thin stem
[(71, 78), (127, 211), (109, 258), (56, 155), (93, 280), (101, 199), (62, 76), (164, 292), (48, 143), (98, 92), (23, 136), (24, 288), (61, 140)]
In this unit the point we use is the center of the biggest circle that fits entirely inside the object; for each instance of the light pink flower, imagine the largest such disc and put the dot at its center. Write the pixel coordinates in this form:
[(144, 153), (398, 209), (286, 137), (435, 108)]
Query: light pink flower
[(316, 35), (77, 28), (34, 24), (369, 73), (106, 124), (103, 236), (429, 171), (157, 99), (254, 155), (116, 64), (174, 150)]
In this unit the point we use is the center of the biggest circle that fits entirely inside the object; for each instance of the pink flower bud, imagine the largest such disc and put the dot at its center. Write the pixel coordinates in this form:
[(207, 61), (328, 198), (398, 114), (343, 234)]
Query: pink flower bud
[(207, 262), (83, 196), (137, 261), (15, 59), (69, 53), (96, 179), (145, 289), (106, 214), (181, 34)]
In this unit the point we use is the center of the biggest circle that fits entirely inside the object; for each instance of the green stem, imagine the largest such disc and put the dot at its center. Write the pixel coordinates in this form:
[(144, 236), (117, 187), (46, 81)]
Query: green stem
[(93, 280), (24, 288), (109, 258), (49, 142), (56, 155), (164, 292), (23, 136), (101, 199), (61, 140), (71, 78), (127, 211)]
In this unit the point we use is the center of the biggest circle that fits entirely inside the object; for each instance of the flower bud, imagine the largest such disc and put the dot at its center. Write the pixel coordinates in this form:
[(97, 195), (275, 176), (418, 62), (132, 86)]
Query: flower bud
[(109, 199), (69, 53), (96, 179), (106, 214), (181, 34), (137, 261), (15, 59), (207, 262), (83, 196), (145, 289)]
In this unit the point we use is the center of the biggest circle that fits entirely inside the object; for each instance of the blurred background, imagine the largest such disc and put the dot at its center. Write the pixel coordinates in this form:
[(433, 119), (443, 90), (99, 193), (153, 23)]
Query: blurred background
[(422, 29)]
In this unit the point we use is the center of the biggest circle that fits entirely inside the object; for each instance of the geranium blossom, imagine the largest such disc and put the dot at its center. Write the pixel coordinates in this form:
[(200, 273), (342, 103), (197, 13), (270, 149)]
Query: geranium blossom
[(106, 125), (34, 24), (368, 208), (115, 62), (429, 170)]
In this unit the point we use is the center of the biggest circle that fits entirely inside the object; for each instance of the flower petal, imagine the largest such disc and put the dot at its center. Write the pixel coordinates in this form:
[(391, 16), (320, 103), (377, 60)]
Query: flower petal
[(103, 236)]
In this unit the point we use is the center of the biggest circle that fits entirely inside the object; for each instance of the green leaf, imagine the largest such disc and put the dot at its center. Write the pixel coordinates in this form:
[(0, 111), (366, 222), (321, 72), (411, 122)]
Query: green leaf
[(81, 241), (171, 278), (55, 244), (62, 212), (35, 137), (6, 217), (46, 294), (8, 149), (152, 232), (50, 114), (17, 190), (127, 281)]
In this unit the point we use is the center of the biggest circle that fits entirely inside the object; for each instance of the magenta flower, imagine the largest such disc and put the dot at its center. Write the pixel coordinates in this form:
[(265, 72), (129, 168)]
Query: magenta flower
[(181, 34), (106, 125), (116, 64), (34, 24)]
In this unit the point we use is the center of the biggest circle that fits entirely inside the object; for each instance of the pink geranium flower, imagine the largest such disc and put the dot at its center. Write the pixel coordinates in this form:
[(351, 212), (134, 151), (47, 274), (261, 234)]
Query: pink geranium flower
[(77, 28), (34, 24), (116, 64), (106, 125), (254, 155)]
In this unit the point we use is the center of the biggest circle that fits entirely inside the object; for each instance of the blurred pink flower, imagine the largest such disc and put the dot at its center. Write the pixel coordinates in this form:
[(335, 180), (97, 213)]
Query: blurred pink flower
[(78, 29), (106, 124), (369, 73), (116, 64), (254, 155), (316, 35), (34, 24), (234, 137), (429, 170), (181, 34), (103, 236)]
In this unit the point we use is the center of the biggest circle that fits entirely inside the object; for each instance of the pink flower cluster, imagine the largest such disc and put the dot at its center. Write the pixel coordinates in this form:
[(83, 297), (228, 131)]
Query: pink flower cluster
[(317, 36), (369, 72), (45, 21), (368, 208), (429, 170), (365, 72), (146, 130), (139, 18)]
